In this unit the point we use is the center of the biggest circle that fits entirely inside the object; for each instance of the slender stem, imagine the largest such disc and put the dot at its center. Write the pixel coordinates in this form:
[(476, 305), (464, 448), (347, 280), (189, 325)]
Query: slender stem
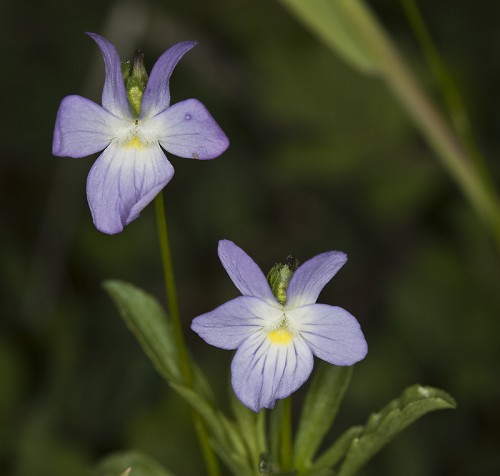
[(286, 452), (209, 457)]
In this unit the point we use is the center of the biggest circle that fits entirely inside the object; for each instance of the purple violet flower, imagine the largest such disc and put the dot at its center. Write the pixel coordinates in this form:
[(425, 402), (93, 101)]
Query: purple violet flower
[(276, 342), (133, 168)]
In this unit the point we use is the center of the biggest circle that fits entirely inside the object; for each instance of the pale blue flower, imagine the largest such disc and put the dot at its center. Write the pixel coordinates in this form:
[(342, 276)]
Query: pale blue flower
[(133, 167), (275, 343)]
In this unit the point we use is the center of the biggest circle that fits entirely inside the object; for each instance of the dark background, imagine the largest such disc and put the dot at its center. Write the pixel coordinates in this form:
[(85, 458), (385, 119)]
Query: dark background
[(321, 158)]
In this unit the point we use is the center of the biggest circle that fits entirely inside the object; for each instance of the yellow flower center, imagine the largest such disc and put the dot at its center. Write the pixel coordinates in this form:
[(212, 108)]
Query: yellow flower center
[(280, 336), (134, 143)]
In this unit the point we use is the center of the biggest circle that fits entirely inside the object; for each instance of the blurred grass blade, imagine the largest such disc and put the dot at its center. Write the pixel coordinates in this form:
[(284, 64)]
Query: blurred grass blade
[(383, 426), (142, 465), (364, 43), (146, 319), (320, 408), (328, 19)]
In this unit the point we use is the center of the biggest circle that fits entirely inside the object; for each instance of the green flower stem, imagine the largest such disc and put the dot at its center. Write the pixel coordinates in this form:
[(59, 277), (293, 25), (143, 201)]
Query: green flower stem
[(381, 57), (286, 451), (209, 457)]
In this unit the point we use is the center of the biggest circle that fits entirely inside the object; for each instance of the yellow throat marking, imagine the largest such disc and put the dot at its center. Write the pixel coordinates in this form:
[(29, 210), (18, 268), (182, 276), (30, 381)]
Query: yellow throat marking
[(280, 336), (134, 143)]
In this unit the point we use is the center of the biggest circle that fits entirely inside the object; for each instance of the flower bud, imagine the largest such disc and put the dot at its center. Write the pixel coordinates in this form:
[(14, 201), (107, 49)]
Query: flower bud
[(136, 78), (279, 277)]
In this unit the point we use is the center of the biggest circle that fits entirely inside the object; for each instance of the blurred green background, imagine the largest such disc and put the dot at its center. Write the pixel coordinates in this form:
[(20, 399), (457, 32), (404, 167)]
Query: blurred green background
[(321, 158)]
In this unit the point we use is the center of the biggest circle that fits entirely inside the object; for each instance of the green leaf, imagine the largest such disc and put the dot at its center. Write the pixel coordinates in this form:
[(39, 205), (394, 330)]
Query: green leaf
[(332, 21), (147, 320), (333, 455), (117, 464), (383, 426), (226, 441), (251, 427), (322, 403)]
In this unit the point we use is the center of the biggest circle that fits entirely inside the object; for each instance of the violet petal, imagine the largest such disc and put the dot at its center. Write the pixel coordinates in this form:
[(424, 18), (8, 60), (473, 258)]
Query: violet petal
[(82, 128), (188, 130), (310, 278), (332, 333), (229, 325), (122, 182), (262, 372), (156, 96), (244, 272), (114, 96)]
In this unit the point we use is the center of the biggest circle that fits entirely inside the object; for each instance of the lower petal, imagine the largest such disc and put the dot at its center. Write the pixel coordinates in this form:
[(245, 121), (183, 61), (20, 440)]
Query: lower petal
[(332, 333), (262, 371), (122, 181)]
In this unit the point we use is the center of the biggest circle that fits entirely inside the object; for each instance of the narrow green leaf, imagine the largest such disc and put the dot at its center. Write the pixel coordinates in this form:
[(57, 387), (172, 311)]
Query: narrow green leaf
[(146, 319), (226, 439), (330, 21), (322, 403), (142, 465), (333, 455), (251, 427), (383, 426)]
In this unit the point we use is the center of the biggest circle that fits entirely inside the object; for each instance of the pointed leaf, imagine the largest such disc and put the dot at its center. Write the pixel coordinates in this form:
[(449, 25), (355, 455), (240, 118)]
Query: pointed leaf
[(322, 403), (145, 317), (138, 464), (382, 427)]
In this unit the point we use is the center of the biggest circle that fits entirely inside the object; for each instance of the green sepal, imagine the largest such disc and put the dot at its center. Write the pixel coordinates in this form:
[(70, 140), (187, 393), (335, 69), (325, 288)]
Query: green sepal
[(321, 406), (383, 426), (118, 464)]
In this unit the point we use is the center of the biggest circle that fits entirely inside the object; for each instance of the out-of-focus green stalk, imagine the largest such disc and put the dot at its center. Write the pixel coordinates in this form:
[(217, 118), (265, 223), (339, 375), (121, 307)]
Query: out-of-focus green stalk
[(209, 457), (444, 80), (369, 37)]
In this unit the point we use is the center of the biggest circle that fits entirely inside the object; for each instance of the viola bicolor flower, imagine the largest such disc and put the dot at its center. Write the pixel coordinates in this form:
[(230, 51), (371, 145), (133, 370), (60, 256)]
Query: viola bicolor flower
[(133, 168), (276, 341)]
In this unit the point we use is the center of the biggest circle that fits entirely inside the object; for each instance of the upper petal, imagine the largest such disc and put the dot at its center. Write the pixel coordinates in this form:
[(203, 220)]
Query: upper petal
[(310, 278), (229, 325), (82, 128), (244, 272), (156, 96), (332, 333), (122, 181), (262, 372), (114, 96), (187, 130)]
